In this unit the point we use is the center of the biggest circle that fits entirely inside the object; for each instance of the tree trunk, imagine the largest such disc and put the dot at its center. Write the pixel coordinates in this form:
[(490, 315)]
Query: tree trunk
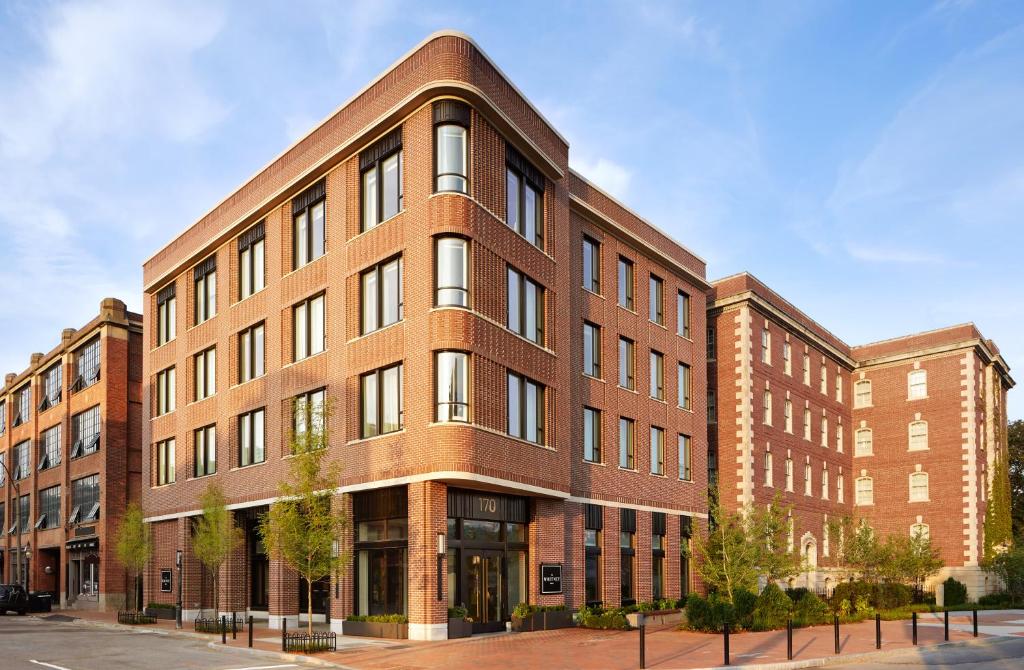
[(309, 605)]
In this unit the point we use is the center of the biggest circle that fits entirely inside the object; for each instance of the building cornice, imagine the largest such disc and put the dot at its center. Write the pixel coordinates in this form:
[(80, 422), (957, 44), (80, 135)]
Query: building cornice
[(980, 346)]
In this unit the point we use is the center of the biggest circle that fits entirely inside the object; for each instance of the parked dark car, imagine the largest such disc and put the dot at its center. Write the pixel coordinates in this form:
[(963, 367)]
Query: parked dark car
[(13, 598)]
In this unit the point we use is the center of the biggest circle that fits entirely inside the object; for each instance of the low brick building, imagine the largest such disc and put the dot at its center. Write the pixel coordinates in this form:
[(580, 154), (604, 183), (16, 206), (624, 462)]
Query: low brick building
[(913, 425), (70, 434), (515, 364)]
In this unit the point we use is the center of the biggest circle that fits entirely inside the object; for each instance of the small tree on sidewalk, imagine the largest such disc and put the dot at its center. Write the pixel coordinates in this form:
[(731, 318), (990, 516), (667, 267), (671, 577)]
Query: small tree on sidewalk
[(301, 528), (778, 560), (727, 559), (134, 546), (216, 536)]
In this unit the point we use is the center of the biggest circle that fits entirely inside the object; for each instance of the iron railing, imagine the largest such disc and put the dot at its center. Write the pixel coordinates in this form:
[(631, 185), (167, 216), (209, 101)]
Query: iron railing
[(306, 643), (134, 618)]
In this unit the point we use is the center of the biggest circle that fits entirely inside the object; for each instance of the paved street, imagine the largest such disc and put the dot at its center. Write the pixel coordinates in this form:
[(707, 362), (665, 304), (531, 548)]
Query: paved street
[(27, 643), (992, 654)]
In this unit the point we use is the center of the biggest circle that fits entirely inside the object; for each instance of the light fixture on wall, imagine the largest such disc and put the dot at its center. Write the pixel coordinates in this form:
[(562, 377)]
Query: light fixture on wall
[(441, 538)]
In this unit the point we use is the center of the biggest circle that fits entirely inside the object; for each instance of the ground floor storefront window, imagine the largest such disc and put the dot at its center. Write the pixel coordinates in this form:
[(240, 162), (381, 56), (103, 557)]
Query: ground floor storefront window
[(83, 581), (381, 551), (685, 553), (627, 556), (593, 524), (658, 555)]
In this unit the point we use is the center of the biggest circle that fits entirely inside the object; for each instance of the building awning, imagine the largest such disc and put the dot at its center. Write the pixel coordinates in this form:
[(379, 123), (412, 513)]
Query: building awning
[(78, 545)]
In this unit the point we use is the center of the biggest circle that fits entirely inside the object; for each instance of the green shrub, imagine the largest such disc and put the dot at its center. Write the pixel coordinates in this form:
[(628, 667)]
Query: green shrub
[(810, 610), (994, 599), (772, 609), (796, 594), (523, 610), (602, 619), (457, 612), (378, 618), (744, 602), (708, 615), (160, 606), (891, 596), (955, 593)]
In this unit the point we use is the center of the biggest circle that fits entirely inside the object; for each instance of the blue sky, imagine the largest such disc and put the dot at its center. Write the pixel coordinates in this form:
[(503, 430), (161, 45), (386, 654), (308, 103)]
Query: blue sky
[(866, 159)]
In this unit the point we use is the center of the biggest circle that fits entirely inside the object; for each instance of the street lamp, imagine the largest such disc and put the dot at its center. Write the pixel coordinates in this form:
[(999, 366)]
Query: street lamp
[(17, 512)]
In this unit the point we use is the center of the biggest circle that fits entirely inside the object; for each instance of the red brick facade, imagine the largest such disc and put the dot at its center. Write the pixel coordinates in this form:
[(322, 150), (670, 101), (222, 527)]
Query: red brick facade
[(70, 557)]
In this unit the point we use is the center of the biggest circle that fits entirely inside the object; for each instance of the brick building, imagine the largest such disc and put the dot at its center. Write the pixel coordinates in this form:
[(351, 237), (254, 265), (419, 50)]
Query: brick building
[(70, 435), (515, 364), (915, 423)]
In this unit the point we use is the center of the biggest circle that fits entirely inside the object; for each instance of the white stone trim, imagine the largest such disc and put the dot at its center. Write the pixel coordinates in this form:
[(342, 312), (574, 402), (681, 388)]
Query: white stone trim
[(744, 358), (428, 631), (968, 390), (274, 621)]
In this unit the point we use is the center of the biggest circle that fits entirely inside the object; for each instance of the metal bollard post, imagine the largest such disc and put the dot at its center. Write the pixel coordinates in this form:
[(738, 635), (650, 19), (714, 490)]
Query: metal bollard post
[(725, 630), (945, 625), (284, 632), (913, 625), (177, 616), (975, 623), (250, 631), (224, 629), (878, 631), (234, 626), (643, 627), (835, 621), (789, 640)]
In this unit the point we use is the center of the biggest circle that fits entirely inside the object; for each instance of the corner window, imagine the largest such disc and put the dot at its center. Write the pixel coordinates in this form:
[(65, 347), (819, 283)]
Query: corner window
[(251, 353), (205, 296), (451, 273), (3, 428), (525, 307), (251, 262), (524, 198), (205, 451), (166, 314), (591, 350), (165, 398), (452, 386), (381, 405), (656, 300), (309, 231), (165, 453), (451, 123), (252, 438), (381, 168), (308, 327), (591, 435), (657, 451), (591, 265), (626, 444), (684, 444), (525, 409), (625, 283), (381, 296), (206, 373)]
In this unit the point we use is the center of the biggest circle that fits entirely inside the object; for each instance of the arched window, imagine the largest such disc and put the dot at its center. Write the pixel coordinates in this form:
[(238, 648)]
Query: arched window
[(807, 424), (918, 435), (862, 393), (789, 416), (824, 431), (921, 529), (808, 483), (824, 482), (917, 384), (840, 487), (789, 474), (839, 437), (865, 494), (864, 443), (767, 407), (919, 487)]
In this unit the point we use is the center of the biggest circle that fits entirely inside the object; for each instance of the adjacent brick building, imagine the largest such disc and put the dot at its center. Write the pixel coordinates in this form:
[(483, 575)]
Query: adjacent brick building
[(70, 434), (515, 364), (914, 424)]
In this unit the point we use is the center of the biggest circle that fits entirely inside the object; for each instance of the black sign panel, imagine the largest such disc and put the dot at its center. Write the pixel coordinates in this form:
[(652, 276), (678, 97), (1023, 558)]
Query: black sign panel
[(486, 506), (550, 578), (165, 581)]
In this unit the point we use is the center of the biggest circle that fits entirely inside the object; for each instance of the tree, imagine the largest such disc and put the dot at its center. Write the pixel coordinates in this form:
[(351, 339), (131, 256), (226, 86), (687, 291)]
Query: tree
[(1015, 466), (301, 528), (1009, 567), (216, 536), (911, 559), (778, 560), (865, 554), (727, 559), (134, 545)]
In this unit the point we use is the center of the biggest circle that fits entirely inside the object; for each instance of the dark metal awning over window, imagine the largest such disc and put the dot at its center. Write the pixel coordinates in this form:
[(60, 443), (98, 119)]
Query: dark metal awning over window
[(83, 545)]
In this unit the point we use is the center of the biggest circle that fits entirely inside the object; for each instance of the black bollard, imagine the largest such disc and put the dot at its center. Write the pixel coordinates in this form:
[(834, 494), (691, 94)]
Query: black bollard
[(945, 625), (284, 632), (913, 625), (250, 631), (878, 631), (835, 621), (643, 627), (234, 626), (223, 629), (789, 640), (975, 623), (726, 639)]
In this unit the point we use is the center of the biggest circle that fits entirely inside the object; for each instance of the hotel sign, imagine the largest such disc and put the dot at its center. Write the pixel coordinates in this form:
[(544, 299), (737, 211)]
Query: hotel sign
[(550, 578)]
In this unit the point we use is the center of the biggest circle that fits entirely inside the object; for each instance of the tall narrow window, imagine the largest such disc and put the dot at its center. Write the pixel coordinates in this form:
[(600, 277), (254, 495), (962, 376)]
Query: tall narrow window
[(591, 350), (839, 437), (251, 353), (769, 470), (711, 349), (658, 555), (625, 283), (524, 198), (452, 272), (381, 296), (381, 392), (525, 307), (788, 406), (165, 462), (824, 481), (309, 333), (824, 431), (918, 435), (308, 417), (839, 387), (865, 491), (251, 261), (862, 393), (451, 124), (166, 314), (807, 369), (593, 524), (165, 391), (917, 382), (252, 438), (683, 314), (656, 300), (712, 406), (205, 363), (452, 386), (205, 296), (864, 442), (824, 378), (840, 487), (789, 475), (627, 556), (626, 452), (657, 376), (525, 409), (767, 407), (807, 424), (685, 446), (205, 451), (49, 448), (787, 358), (591, 265), (381, 170), (919, 487), (808, 481), (766, 347), (591, 435), (626, 363), (3, 429), (657, 451), (685, 386)]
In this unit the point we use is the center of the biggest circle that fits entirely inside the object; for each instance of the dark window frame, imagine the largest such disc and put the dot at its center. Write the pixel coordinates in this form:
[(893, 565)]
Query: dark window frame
[(379, 272), (683, 315), (247, 452), (203, 465), (84, 444), (256, 362), (48, 508), (304, 207), (594, 256), (247, 245), (209, 374), (166, 470), (52, 383), (525, 179), (627, 458), (626, 274), (204, 283), (595, 346), (50, 447), (378, 406), (307, 305), (166, 315), (656, 300), (524, 383), (595, 430), (166, 383), (375, 164), (629, 358), (87, 365), (521, 309), (452, 408)]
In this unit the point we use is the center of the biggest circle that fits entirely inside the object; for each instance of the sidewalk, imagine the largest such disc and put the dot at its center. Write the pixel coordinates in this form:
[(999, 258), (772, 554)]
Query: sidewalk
[(581, 649)]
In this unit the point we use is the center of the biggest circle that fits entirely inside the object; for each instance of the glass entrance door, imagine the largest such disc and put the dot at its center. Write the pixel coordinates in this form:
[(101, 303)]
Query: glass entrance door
[(484, 589)]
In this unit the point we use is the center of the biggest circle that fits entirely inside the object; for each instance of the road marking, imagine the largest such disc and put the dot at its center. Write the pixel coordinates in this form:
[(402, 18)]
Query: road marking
[(257, 667), (49, 665)]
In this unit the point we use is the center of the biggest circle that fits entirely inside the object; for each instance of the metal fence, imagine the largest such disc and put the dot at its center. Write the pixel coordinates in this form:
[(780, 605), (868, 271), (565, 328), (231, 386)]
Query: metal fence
[(212, 625), (306, 643), (134, 618)]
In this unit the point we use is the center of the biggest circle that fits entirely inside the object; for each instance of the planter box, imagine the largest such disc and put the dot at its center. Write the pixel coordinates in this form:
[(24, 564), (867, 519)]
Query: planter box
[(550, 620), (655, 618), (459, 628), (390, 631), (160, 613)]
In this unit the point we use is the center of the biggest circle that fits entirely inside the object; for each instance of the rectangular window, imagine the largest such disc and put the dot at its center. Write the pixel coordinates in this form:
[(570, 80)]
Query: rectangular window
[(451, 157), (22, 463), (205, 451), (657, 451), (52, 384), (525, 307), (685, 457), (787, 358), (205, 296), (24, 505), (591, 350), (840, 495), (452, 386), (87, 365), (524, 199), (685, 379), (711, 349), (206, 373), (627, 556), (862, 393), (824, 378), (165, 389), (626, 363), (591, 435), (658, 555), (865, 491), (85, 432), (656, 300), (251, 261), (919, 487), (309, 332), (626, 452), (625, 283), (592, 548), (863, 442), (381, 404), (683, 314), (918, 435), (252, 438), (525, 409), (712, 406), (166, 314), (451, 274), (49, 452), (165, 454), (767, 408), (769, 470), (766, 347), (3, 424), (591, 265), (807, 424), (48, 508), (308, 416), (251, 353), (309, 236), (918, 384), (22, 405), (85, 499), (381, 296), (657, 376)]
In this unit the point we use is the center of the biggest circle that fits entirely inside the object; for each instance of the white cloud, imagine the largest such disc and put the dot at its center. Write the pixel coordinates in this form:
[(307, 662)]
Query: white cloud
[(606, 174), (876, 254)]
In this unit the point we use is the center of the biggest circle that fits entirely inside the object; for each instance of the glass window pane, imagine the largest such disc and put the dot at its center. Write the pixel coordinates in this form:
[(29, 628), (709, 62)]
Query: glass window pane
[(390, 170), (452, 282), (451, 158), (245, 271), (300, 332), (370, 198), (533, 401), (514, 302), (258, 269), (317, 214), (369, 301), (530, 214), (532, 310), (258, 437), (245, 344), (391, 420), (391, 292), (245, 438), (369, 392), (258, 344), (514, 408), (512, 200), (301, 242), (317, 327)]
